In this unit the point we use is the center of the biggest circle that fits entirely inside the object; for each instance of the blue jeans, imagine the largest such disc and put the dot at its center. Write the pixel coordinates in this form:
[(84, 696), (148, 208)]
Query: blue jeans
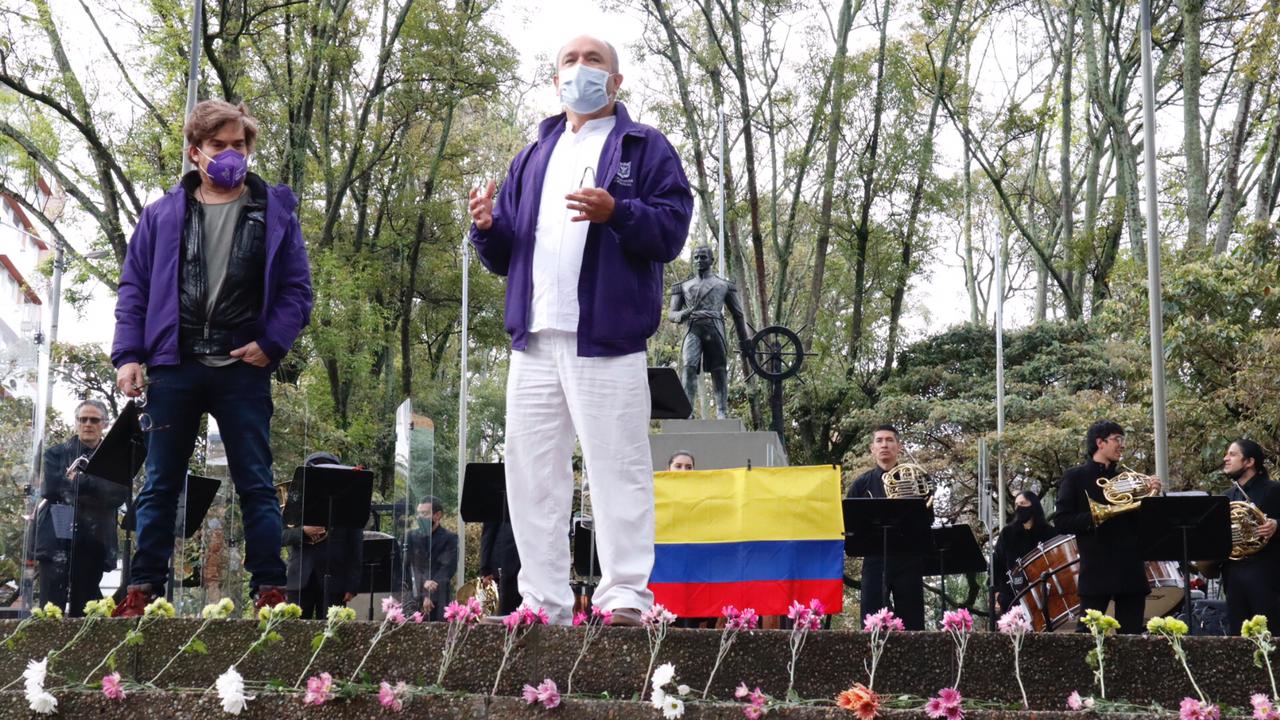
[(238, 396)]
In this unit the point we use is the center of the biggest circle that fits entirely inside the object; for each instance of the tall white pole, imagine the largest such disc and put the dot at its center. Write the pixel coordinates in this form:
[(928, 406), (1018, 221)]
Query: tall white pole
[(1000, 483), (44, 382), (723, 151), (193, 75), (460, 575), (1154, 300)]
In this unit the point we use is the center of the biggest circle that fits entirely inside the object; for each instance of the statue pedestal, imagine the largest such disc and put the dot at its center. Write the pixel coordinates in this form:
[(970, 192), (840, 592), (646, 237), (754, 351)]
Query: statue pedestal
[(716, 444)]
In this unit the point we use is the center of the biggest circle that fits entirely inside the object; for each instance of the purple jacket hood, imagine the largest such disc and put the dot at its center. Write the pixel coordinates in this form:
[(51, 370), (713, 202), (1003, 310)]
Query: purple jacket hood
[(620, 286), (147, 304)]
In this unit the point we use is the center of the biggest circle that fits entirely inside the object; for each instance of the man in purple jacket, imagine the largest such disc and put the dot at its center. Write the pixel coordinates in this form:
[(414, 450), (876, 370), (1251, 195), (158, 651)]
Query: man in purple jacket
[(587, 216), (215, 289)]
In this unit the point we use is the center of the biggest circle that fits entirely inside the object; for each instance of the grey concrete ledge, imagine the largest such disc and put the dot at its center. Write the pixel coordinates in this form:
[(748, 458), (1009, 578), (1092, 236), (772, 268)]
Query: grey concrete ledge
[(1140, 670)]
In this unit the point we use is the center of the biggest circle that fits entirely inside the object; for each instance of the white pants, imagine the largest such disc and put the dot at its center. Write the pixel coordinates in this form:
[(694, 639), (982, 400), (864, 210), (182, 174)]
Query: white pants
[(552, 394)]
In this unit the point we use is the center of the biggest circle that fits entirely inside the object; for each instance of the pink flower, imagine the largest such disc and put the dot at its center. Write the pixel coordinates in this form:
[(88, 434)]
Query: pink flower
[(454, 611), (753, 712), (579, 618), (319, 690), (934, 708), (1192, 709), (950, 697), (548, 694), (397, 615), (475, 609), (954, 712), (111, 686), (883, 620), (816, 607), (604, 616), (417, 617), (657, 615), (741, 691), (512, 621), (957, 621), (1015, 621), (388, 604), (529, 693), (392, 698), (1262, 708)]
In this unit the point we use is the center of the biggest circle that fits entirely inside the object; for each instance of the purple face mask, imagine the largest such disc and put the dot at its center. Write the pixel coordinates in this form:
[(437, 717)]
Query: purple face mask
[(227, 169)]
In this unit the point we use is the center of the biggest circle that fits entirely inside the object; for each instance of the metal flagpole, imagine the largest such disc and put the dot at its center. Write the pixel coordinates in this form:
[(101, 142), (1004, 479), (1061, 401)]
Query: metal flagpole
[(1000, 485), (1154, 301), (193, 72), (720, 253), (460, 575)]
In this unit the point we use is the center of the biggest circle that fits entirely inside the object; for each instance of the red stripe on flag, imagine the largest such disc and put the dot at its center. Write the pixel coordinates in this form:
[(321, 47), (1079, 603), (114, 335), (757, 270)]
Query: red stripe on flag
[(766, 597)]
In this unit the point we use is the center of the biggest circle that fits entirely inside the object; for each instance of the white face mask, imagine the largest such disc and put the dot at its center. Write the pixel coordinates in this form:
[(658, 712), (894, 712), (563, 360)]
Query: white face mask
[(584, 89)]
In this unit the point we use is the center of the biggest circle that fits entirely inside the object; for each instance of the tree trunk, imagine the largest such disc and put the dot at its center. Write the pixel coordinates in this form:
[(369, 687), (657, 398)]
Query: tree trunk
[(1231, 200), (1192, 148)]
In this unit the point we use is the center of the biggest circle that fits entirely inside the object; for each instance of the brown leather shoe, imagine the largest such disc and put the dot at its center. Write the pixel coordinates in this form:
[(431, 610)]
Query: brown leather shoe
[(136, 602), (269, 596), (626, 617)]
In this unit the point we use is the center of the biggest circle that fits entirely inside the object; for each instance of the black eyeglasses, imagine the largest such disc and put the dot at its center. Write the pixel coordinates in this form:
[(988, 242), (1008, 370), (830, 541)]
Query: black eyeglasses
[(89, 420)]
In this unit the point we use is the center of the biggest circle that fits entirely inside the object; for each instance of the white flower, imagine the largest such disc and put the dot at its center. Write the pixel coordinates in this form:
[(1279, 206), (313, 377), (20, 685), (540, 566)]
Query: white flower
[(658, 698), (682, 690), (673, 708), (35, 673), (663, 675), (231, 691), (42, 702)]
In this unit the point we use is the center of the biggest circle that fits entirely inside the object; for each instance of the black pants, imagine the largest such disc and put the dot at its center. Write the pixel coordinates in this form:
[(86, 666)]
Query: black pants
[(1251, 591), (60, 581), (1130, 608), (315, 606), (906, 593)]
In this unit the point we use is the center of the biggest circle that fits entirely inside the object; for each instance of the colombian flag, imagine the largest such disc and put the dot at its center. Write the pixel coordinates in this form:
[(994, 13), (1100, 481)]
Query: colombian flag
[(756, 538)]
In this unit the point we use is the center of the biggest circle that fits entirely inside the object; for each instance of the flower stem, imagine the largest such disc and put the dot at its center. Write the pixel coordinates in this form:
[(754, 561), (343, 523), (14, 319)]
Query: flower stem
[(181, 650), (373, 644), (142, 622), (588, 636), (797, 644), (1182, 657), (656, 636), (726, 641), (507, 645), (457, 634), (1017, 669), (1098, 639), (88, 622)]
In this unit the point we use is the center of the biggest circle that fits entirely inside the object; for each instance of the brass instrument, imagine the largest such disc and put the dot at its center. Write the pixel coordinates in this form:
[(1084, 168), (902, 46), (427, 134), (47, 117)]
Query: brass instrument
[(1245, 520), (486, 591), (908, 480), (1125, 493)]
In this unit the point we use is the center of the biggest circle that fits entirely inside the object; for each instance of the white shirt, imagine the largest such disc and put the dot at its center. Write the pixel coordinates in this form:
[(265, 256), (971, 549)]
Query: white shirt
[(558, 243)]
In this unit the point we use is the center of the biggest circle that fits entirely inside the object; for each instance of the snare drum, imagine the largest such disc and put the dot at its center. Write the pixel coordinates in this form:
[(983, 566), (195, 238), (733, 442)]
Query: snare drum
[(1049, 575)]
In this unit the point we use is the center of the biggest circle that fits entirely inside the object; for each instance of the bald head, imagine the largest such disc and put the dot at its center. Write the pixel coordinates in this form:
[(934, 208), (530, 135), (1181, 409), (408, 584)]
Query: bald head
[(588, 50)]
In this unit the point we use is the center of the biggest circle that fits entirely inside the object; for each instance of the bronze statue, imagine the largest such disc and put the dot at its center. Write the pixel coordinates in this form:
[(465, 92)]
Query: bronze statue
[(699, 302)]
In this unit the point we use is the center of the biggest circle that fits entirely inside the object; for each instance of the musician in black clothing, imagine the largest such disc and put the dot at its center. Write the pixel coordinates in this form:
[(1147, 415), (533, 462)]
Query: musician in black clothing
[(905, 583), (1253, 582), (1028, 529), (1111, 564)]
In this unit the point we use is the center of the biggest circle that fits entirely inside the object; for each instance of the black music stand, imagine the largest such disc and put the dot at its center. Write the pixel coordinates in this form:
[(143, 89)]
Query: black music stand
[(884, 527), (955, 551), (1184, 527), (199, 495), (585, 560), (378, 571), (484, 493), (334, 496), (666, 395)]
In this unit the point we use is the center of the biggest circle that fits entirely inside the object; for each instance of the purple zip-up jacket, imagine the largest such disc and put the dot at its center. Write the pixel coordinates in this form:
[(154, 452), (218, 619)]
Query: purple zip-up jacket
[(620, 285), (147, 305)]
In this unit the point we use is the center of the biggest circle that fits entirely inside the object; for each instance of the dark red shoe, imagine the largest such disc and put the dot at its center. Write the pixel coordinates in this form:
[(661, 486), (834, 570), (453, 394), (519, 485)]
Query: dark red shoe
[(139, 597), (269, 596)]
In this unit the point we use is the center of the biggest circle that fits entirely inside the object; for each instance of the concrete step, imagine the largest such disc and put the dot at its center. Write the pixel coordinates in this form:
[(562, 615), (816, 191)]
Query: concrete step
[(1139, 670), (717, 450), (728, 425)]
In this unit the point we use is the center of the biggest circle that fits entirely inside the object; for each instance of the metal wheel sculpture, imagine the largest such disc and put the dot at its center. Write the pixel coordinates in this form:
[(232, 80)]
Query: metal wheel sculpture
[(776, 353)]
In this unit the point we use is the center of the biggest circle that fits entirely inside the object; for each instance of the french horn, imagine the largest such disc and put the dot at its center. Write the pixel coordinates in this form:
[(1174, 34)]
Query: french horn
[(483, 589), (1246, 518), (1125, 493), (906, 481)]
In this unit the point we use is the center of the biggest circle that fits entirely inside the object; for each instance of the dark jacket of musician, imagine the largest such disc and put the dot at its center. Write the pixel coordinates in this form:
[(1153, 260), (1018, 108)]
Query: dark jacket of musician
[(433, 555), (1013, 543), (1110, 560), (341, 552), (500, 559), (1253, 582)]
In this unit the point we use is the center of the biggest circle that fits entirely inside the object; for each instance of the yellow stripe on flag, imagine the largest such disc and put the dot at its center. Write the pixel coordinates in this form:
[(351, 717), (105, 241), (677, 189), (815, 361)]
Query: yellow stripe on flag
[(740, 505)]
